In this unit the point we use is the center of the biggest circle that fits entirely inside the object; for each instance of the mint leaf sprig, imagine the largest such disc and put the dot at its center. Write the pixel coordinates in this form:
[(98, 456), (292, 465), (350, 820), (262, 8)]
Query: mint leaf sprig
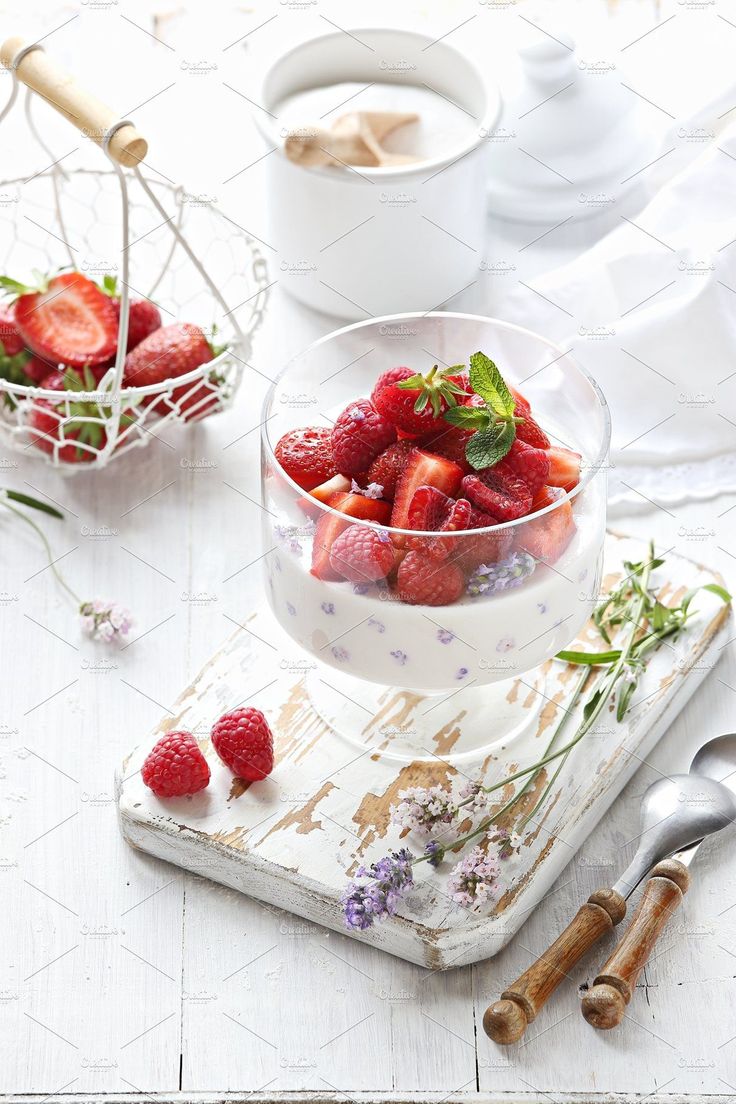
[(493, 425)]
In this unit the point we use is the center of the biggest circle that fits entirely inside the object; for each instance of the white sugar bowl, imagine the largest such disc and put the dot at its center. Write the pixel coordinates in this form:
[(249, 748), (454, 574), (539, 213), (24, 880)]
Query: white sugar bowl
[(360, 241)]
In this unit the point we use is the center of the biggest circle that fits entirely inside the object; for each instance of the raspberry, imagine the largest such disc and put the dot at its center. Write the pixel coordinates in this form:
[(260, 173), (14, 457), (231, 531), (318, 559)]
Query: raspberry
[(359, 435), (362, 555), (243, 741), (423, 582), (499, 492), (306, 455), (175, 767), (387, 467), (432, 511), (529, 463), (391, 375)]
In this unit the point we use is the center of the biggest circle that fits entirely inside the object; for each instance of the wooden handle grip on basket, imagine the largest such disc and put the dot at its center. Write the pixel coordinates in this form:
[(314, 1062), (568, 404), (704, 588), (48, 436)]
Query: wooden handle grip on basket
[(507, 1020), (92, 117), (604, 1004)]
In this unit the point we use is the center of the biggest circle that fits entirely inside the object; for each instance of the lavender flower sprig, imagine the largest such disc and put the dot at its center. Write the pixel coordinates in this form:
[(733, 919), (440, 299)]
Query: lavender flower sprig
[(475, 879)]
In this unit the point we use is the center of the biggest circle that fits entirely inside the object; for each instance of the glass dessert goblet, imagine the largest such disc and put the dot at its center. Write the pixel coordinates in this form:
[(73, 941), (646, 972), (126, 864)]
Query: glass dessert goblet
[(427, 643)]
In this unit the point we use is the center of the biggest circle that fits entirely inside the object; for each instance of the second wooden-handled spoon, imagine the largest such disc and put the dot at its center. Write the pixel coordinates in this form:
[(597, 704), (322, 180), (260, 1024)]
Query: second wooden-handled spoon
[(604, 1004), (676, 812)]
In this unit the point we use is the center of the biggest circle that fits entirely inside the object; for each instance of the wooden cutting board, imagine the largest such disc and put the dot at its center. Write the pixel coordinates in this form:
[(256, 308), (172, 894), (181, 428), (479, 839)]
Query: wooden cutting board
[(295, 839)]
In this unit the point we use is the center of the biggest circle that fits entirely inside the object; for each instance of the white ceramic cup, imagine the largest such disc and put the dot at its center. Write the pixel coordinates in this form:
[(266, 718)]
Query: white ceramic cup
[(423, 224)]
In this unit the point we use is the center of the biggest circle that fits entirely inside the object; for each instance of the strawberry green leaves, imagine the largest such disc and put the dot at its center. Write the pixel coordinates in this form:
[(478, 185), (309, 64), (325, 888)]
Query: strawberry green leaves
[(433, 388), (493, 425)]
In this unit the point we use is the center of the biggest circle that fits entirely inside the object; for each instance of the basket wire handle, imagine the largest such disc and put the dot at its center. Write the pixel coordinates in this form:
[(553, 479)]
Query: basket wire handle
[(93, 118)]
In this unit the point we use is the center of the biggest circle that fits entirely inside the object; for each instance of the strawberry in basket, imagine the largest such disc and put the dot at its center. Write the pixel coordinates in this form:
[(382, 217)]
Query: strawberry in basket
[(76, 429), (167, 353), (65, 319)]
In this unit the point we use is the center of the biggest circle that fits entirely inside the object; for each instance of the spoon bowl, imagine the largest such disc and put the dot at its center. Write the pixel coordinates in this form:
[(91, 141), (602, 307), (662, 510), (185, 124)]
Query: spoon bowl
[(717, 760)]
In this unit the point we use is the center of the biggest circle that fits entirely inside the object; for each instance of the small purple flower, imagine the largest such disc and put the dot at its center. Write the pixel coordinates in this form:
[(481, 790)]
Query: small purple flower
[(506, 842), (328, 607), (374, 623), (377, 891), (541, 607), (493, 578), (474, 881), (422, 809), (435, 853), (506, 644), (361, 588), (106, 621), (291, 609), (341, 654), (373, 490), (445, 636), (400, 657), (461, 673), (277, 564), (473, 789)]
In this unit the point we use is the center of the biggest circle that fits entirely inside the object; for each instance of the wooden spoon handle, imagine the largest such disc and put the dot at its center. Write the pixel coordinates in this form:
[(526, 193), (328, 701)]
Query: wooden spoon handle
[(604, 1004), (92, 117), (507, 1020)]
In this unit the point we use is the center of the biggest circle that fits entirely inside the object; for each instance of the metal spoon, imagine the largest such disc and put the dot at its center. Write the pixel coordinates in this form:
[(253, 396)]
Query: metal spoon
[(675, 813), (713, 771)]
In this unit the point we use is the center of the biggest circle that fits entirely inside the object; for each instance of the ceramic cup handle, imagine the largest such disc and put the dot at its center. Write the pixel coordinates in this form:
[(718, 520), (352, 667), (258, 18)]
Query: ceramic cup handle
[(507, 1020), (59, 89)]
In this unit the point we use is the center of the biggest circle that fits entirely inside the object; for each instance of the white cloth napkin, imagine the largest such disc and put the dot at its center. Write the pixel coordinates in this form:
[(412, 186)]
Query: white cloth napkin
[(650, 311)]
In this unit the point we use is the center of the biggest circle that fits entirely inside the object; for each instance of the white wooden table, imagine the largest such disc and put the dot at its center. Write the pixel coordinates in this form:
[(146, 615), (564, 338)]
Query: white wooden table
[(124, 978)]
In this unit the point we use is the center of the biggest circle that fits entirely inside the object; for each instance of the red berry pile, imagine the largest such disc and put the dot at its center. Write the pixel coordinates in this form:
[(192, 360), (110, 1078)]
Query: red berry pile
[(176, 766), (452, 451)]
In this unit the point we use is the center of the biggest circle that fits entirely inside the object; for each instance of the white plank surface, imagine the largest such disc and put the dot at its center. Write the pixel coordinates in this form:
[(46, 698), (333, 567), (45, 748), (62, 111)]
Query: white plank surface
[(113, 968)]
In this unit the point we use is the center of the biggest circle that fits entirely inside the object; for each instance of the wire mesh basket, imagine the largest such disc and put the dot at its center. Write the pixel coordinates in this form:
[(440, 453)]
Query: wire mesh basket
[(157, 242)]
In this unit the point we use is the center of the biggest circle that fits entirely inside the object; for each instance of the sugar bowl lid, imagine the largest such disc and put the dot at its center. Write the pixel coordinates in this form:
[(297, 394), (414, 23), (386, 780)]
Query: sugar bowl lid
[(572, 135)]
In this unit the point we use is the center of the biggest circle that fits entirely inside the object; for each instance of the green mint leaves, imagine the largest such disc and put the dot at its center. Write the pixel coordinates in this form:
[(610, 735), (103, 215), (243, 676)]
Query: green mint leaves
[(493, 425), (487, 381)]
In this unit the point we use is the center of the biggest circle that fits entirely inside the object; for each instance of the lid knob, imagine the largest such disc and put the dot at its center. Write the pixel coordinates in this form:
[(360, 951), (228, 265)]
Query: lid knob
[(548, 60)]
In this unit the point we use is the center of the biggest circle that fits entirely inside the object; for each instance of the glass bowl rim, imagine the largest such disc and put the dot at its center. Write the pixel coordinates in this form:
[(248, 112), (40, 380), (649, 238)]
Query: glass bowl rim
[(592, 470)]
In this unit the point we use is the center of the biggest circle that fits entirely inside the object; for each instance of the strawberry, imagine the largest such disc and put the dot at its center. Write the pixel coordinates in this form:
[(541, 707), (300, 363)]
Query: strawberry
[(529, 463), (423, 469), (38, 370), (330, 526), (362, 554), (305, 454), (12, 342), (168, 352), (143, 315), (528, 430), (498, 492), (386, 468), (421, 581), (432, 511), (324, 491), (67, 319), (195, 402), (470, 551), (564, 467), (416, 403), (359, 435), (547, 537), (51, 423)]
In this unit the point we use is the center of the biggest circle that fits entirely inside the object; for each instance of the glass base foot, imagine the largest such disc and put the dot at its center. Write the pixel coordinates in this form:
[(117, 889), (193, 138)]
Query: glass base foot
[(463, 725)]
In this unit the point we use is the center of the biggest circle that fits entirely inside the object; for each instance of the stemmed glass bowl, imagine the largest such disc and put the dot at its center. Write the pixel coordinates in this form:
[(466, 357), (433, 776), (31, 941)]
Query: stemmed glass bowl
[(412, 680)]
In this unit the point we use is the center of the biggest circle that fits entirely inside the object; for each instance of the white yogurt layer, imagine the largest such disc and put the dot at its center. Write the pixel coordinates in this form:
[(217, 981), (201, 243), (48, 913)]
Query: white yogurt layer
[(442, 126), (372, 635)]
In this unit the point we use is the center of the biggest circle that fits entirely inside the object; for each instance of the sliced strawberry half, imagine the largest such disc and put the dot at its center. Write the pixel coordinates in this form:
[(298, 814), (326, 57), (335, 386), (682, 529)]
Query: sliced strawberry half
[(529, 463), (528, 430), (499, 492), (68, 320), (423, 469), (547, 537), (564, 468), (330, 526), (432, 511)]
